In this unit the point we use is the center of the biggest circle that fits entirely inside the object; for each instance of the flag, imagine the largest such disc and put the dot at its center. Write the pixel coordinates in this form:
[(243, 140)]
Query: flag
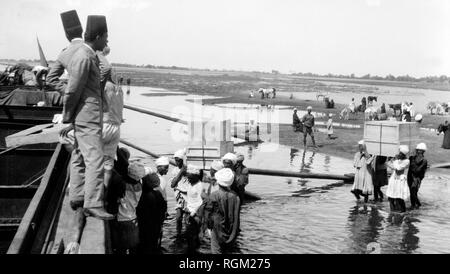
[(43, 61)]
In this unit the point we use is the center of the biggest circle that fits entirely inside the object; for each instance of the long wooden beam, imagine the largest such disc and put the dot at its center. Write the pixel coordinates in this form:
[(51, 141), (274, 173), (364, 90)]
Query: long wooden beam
[(283, 173), (267, 172), (156, 114)]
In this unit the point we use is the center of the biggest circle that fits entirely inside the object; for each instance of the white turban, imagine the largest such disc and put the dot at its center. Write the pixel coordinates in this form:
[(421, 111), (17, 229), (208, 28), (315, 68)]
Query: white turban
[(361, 142), (224, 177), (191, 169), (136, 171), (38, 68), (309, 107), (422, 146), (418, 117), (404, 149), (230, 156), (216, 165), (162, 161), (179, 154)]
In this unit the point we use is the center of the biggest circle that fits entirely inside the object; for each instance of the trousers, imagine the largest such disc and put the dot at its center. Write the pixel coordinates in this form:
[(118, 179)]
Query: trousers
[(397, 204), (86, 166), (414, 198)]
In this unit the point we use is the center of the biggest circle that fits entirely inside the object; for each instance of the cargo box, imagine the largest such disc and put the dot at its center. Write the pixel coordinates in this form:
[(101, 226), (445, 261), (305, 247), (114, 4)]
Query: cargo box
[(384, 137), (202, 156), (210, 131)]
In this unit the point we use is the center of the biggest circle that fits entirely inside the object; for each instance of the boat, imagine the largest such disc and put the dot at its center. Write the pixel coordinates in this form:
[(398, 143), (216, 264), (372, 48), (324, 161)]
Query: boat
[(32, 180)]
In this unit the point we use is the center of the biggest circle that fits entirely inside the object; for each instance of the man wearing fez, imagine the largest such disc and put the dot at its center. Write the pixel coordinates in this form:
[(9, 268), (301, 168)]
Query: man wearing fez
[(74, 31), (83, 111)]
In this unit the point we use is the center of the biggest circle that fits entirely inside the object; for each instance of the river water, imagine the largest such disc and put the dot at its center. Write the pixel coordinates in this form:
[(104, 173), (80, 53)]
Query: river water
[(300, 215)]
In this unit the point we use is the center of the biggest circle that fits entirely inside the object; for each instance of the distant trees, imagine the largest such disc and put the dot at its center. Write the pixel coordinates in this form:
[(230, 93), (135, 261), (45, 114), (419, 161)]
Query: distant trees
[(389, 77)]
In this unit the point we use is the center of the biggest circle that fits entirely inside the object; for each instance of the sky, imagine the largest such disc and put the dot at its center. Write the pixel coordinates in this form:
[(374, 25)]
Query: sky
[(378, 37)]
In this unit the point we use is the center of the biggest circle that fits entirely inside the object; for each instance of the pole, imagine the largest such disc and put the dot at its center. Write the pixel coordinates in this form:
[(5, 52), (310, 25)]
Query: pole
[(256, 171), (166, 117)]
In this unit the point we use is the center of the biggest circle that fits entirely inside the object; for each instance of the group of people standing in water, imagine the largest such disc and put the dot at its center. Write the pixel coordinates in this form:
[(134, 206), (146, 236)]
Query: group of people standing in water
[(207, 204), (371, 173)]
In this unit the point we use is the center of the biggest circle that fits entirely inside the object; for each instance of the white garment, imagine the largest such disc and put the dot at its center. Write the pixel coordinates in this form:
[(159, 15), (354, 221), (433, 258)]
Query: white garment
[(128, 204), (181, 187), (330, 126), (163, 185), (193, 198), (398, 182)]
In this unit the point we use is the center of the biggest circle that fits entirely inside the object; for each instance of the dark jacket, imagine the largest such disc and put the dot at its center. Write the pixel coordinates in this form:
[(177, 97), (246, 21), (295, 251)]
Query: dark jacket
[(416, 172), (308, 120), (57, 69), (151, 213), (222, 209), (83, 98)]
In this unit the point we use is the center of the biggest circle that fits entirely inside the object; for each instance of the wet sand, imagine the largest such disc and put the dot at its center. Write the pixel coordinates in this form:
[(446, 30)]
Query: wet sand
[(346, 143)]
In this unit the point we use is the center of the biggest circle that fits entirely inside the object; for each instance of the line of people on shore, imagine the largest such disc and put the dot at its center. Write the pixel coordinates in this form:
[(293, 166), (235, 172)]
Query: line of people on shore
[(371, 173)]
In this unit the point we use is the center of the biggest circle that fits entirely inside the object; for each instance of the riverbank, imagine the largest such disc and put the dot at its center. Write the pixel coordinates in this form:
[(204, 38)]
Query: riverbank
[(345, 145)]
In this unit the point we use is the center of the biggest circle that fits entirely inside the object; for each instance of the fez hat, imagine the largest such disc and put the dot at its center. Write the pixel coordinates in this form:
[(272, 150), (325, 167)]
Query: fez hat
[(72, 25), (96, 25)]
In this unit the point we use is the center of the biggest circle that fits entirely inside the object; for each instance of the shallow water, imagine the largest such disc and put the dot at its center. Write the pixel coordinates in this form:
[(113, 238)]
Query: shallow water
[(302, 215)]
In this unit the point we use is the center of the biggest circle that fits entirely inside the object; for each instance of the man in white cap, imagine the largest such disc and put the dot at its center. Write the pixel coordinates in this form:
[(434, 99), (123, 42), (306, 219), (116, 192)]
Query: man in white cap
[(416, 173), (222, 209), (194, 201), (83, 112), (229, 160), (180, 184), (308, 124), (418, 118), (162, 167), (362, 162), (398, 190), (241, 177)]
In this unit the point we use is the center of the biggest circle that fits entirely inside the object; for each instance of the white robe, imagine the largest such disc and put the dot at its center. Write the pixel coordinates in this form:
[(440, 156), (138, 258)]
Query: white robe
[(398, 182), (363, 175)]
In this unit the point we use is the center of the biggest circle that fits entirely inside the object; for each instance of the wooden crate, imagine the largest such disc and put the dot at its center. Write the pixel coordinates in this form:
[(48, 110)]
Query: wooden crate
[(203, 156), (210, 131), (384, 137)]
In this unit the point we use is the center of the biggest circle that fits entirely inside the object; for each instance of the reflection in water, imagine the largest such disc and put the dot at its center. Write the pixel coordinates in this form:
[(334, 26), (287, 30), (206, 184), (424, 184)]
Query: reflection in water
[(292, 154), (364, 224), (410, 241), (327, 163), (306, 167)]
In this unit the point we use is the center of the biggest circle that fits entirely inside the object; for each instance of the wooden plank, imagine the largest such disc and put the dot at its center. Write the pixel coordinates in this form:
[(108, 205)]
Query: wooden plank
[(30, 130), (93, 240), (40, 135)]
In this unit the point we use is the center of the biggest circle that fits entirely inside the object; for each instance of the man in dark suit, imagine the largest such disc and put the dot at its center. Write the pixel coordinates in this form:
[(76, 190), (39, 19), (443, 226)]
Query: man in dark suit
[(83, 112), (73, 30)]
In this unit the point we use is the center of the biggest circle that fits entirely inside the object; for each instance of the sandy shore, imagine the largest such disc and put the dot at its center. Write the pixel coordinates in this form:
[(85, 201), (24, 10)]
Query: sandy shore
[(346, 143)]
